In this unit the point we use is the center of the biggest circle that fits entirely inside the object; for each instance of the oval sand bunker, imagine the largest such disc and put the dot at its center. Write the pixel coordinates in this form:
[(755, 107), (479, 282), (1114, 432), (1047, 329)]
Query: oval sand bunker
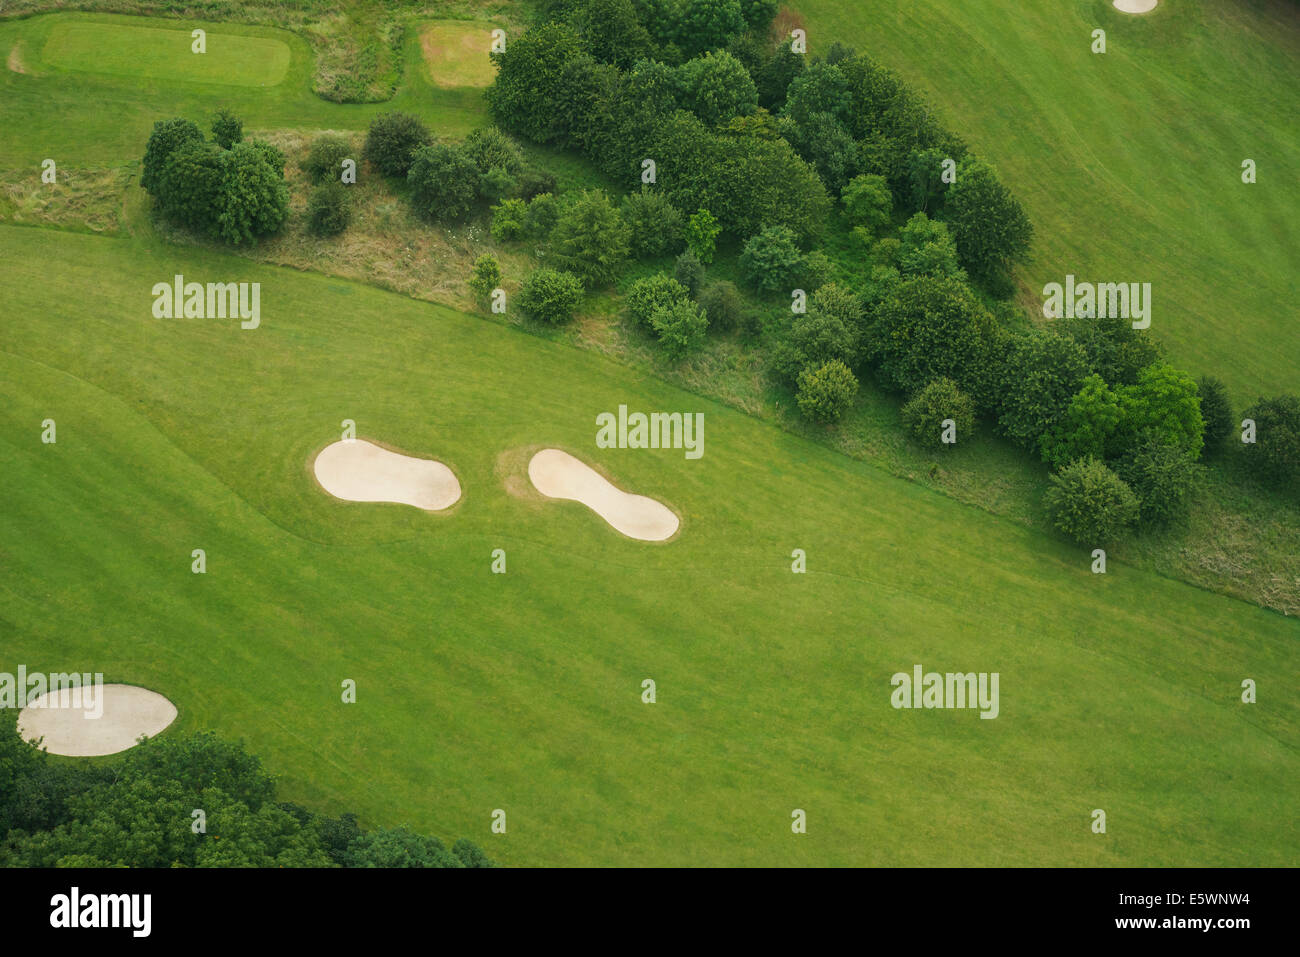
[(68, 725), (558, 474), (1135, 6), (359, 471)]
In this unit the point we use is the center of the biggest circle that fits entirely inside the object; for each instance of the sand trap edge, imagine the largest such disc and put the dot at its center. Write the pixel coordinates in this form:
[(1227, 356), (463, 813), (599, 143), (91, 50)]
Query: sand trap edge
[(162, 714), (530, 452), (309, 466)]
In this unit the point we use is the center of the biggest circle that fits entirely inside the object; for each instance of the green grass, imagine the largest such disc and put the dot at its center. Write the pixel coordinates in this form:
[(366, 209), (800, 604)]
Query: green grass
[(156, 53), (456, 52), (1129, 163), (522, 691)]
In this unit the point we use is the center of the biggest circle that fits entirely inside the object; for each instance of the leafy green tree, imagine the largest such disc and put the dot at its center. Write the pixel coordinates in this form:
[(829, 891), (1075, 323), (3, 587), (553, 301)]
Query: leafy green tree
[(550, 295), (821, 88), (722, 303), (488, 148), (392, 141), (646, 296), (1087, 428), (927, 249), (543, 213), (1116, 351), (528, 74), (1090, 503), (717, 87), (775, 76), (1216, 410), (1162, 476), (324, 162), (590, 239), (1274, 457), (654, 224), (508, 220), (273, 155), (925, 187), (689, 271), (772, 260), (758, 14), (707, 24), (329, 209), (189, 187), (485, 279), (701, 235), (868, 202), (925, 413), (400, 847), (611, 31), (227, 129), (826, 392), (1164, 401), (254, 197), (826, 145), (535, 182), (681, 328), (167, 136), (814, 338), (444, 182), (1042, 373), (989, 224)]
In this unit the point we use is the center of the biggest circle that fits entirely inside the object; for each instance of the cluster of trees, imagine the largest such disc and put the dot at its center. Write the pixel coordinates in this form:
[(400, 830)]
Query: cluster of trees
[(223, 187), (139, 812)]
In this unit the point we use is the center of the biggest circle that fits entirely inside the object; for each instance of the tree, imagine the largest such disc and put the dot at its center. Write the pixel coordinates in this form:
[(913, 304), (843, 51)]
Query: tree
[(717, 87), (771, 260), (927, 249), (611, 31), (485, 279), (590, 239), (1274, 457), (508, 220), (825, 144), (924, 178), (1162, 477), (1216, 410), (654, 224), (1087, 428), (681, 328), (227, 129), (324, 161), (528, 73), (1116, 351), (990, 226), (550, 295), (689, 271), (1042, 373), (868, 202), (925, 413), (1163, 401), (254, 197), (488, 149), (543, 213), (470, 854), (774, 77), (647, 296), (722, 303), (821, 88), (1090, 503), (189, 187), (392, 141), (167, 136), (444, 182), (329, 209), (707, 24), (399, 847), (758, 14), (814, 338), (826, 392), (701, 235)]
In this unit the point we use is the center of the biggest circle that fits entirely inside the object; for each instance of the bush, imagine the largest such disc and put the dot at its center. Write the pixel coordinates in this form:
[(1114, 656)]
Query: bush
[(1090, 503), (1274, 457), (590, 239), (771, 260), (689, 271), (925, 412), (534, 182), (485, 279), (1087, 428), (701, 235), (648, 295), (324, 161), (1162, 476), (488, 148), (681, 328), (815, 338), (826, 392), (166, 137), (868, 202), (542, 215), (227, 129), (926, 249), (392, 141), (550, 295), (1216, 410), (654, 224), (508, 220), (1164, 401), (329, 210), (444, 182), (254, 197), (722, 303)]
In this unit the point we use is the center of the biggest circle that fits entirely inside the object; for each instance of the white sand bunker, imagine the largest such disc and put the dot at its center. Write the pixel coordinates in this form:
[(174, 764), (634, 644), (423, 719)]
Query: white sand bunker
[(359, 471), (558, 474), (67, 720), (1135, 6)]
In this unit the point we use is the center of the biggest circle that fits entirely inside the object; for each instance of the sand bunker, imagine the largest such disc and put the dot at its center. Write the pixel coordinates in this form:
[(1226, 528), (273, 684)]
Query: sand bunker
[(558, 474), (359, 471), (65, 719), (1135, 6)]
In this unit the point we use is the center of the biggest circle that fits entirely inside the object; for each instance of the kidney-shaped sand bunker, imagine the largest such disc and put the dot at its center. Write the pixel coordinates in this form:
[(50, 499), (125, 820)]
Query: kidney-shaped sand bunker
[(558, 474), (359, 471), (66, 719)]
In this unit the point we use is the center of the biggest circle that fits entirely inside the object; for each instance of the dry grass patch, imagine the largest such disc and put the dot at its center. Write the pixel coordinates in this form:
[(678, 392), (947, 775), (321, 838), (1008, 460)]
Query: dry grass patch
[(85, 200), (456, 52)]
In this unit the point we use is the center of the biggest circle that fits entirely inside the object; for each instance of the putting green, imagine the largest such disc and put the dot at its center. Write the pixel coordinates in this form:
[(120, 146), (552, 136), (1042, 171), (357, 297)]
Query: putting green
[(163, 54)]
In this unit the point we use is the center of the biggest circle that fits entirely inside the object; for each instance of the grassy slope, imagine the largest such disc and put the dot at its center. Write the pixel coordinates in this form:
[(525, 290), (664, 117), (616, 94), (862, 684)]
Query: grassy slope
[(1129, 162), (522, 691)]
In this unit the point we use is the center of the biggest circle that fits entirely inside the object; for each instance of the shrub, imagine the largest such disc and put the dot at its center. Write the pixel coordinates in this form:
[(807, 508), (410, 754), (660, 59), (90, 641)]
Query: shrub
[(542, 215), (488, 148), (508, 220), (826, 392), (485, 279), (444, 182), (1090, 503), (167, 136), (495, 184), (701, 235), (868, 202), (689, 271), (1216, 410), (654, 224), (925, 412), (1274, 457), (590, 239), (646, 296), (273, 155), (926, 249), (534, 182), (1087, 428), (227, 129), (329, 210), (324, 161), (772, 260), (1162, 477), (815, 338), (722, 303), (681, 328), (550, 295), (392, 141), (1164, 401)]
